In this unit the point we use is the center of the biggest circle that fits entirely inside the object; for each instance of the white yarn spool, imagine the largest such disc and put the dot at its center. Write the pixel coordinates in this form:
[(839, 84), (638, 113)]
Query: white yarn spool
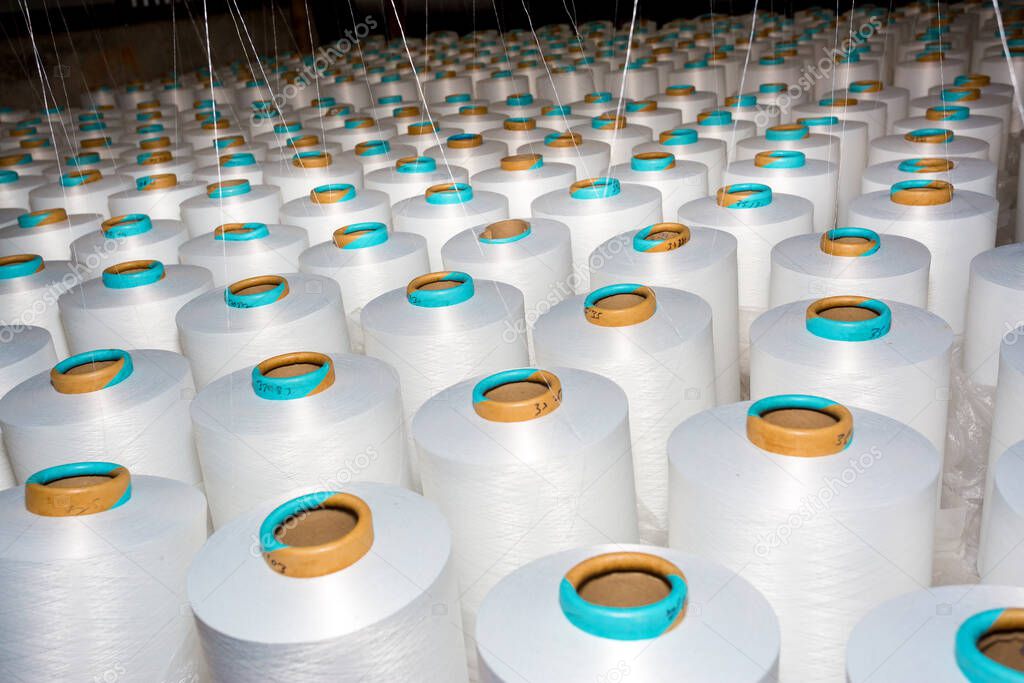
[(635, 81), (702, 76), (589, 157), (887, 357), (790, 172), (15, 188), (517, 132), (233, 328), (348, 88), (972, 96), (499, 85), (503, 456), (814, 485), (436, 334), (848, 68), (422, 135), (687, 100), (473, 119), (80, 162), (128, 238), (383, 551), (928, 211), (79, 192), (720, 124), (848, 108), (29, 289), (1000, 557), (995, 307), (678, 181), (1007, 428), (520, 105), (469, 151), (522, 178), (48, 233), (685, 143), (770, 70), (896, 100), (131, 407), (525, 634), (158, 197), (759, 219), (131, 306), (845, 260), (157, 163), (928, 142), (411, 176), (25, 351), (74, 556), (567, 84), (237, 251), (916, 636), (454, 103), (596, 210), (239, 166), (654, 343), (231, 201), (445, 210), (299, 145), (329, 207), (300, 419), (299, 175), (446, 83), (796, 137), (534, 255), (747, 107), (366, 261), (963, 123), (697, 260), (375, 154), (227, 146), (965, 173), (617, 132), (928, 69), (853, 156)]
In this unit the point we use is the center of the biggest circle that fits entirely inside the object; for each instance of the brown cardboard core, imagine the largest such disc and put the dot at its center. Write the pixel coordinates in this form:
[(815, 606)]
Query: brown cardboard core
[(255, 289), (78, 482), (1004, 647), (624, 589), (848, 314), (440, 284), (316, 527), (511, 227), (87, 368), (799, 418), (517, 391), (619, 302), (293, 370)]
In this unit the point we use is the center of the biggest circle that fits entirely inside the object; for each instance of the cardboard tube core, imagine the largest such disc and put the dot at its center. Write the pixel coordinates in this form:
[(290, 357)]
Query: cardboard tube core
[(317, 534), (647, 593), (799, 425), (520, 162), (566, 139), (932, 194), (510, 227), (517, 395), (836, 243), (305, 368), (155, 143), (83, 488), (620, 305), (317, 160), (90, 371), (465, 141), (1004, 641), (519, 124)]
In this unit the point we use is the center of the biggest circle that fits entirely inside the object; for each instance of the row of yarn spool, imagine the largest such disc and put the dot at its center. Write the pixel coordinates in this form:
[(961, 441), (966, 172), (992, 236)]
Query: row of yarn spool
[(680, 327)]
